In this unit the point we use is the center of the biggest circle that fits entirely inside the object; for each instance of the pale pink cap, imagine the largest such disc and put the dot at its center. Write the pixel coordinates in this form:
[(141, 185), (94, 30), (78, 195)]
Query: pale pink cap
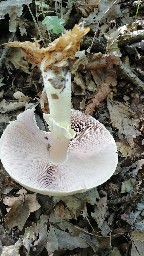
[(92, 155)]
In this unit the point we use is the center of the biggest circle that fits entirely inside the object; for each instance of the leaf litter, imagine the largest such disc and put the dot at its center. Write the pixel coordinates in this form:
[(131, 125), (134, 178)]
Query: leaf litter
[(107, 220)]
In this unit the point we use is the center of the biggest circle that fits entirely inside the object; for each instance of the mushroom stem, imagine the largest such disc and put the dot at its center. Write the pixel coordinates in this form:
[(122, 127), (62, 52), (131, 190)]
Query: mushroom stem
[(57, 84)]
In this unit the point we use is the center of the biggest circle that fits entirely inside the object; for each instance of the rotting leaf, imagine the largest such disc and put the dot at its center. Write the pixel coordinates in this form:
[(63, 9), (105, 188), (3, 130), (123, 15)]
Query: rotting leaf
[(76, 231), (14, 9), (100, 76), (60, 213), (35, 237), (5, 239), (124, 119), (4, 119), (29, 237), (58, 239), (12, 250), (86, 7), (139, 225), (91, 196), (130, 217), (52, 242), (91, 86), (21, 207), (100, 211), (69, 227), (128, 185), (73, 205), (138, 165), (105, 229), (1, 82), (22, 27), (17, 215), (103, 8), (15, 58), (30, 198)]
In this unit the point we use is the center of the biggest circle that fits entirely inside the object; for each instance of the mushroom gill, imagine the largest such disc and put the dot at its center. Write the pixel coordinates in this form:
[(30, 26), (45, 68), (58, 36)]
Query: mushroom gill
[(25, 154)]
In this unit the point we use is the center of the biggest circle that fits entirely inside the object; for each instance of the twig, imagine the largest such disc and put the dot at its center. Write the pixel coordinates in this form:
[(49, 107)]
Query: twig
[(128, 73), (98, 97), (99, 236), (36, 24), (131, 37)]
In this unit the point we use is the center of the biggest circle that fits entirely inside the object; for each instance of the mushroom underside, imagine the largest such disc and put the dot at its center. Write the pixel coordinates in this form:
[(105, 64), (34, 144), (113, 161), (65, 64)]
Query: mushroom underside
[(92, 155)]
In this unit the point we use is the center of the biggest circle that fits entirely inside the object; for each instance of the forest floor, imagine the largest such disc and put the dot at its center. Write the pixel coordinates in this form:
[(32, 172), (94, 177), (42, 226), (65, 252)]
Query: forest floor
[(107, 83)]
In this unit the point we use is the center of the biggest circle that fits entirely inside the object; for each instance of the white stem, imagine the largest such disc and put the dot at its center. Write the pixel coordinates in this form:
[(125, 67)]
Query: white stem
[(57, 84)]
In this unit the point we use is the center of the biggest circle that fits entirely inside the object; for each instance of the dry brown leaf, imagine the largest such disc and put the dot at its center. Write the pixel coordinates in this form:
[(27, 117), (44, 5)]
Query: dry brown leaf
[(35, 236), (100, 76), (124, 119), (21, 207), (62, 48), (87, 6), (30, 198), (17, 215), (73, 205), (60, 213), (96, 61), (15, 58)]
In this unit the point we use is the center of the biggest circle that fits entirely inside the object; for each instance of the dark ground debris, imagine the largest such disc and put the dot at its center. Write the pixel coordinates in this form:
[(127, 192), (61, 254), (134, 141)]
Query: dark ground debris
[(107, 83)]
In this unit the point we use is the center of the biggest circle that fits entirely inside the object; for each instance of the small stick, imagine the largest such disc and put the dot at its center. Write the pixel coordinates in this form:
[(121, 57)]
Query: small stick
[(34, 20), (128, 73)]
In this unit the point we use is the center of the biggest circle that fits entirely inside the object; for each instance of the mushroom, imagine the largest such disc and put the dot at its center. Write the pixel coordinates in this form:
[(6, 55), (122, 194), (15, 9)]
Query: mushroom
[(54, 66), (78, 153), (25, 154)]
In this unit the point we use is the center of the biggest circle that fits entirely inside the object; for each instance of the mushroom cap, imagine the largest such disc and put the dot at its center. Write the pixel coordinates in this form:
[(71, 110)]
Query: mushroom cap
[(92, 155)]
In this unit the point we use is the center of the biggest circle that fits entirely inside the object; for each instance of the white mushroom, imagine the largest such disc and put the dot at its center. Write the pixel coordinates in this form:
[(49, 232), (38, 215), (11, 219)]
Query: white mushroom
[(25, 154), (54, 65), (78, 153)]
